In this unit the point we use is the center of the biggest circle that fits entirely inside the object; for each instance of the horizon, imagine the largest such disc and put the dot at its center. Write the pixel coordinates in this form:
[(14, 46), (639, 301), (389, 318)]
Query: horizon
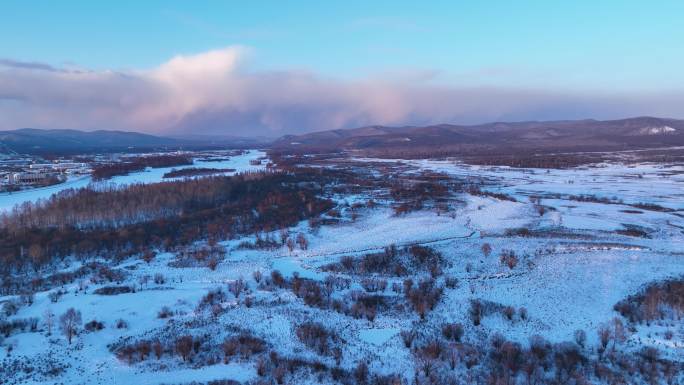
[(228, 135), (264, 70)]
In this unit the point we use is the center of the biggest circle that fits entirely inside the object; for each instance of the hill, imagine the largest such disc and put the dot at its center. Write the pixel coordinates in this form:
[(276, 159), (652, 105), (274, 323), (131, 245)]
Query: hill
[(498, 137)]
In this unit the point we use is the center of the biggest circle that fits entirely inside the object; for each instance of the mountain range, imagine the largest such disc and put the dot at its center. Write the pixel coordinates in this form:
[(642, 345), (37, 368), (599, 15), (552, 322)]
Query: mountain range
[(497, 137), (501, 137)]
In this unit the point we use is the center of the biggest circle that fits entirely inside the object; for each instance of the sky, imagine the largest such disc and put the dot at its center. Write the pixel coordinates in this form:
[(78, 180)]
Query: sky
[(271, 68)]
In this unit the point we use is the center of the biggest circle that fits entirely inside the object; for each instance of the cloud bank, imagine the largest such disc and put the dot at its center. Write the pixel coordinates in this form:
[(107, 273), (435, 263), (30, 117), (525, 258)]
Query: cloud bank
[(216, 93)]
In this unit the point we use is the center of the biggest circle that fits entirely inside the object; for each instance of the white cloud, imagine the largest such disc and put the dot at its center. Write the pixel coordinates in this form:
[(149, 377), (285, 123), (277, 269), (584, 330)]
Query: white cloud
[(215, 92)]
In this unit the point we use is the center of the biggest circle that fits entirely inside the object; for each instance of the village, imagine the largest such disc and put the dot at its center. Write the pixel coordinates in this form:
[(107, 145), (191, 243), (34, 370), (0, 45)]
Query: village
[(24, 172)]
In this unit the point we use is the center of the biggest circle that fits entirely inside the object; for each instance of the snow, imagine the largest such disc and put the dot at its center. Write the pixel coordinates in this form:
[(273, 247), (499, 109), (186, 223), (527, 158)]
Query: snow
[(657, 130), (568, 278), (378, 336)]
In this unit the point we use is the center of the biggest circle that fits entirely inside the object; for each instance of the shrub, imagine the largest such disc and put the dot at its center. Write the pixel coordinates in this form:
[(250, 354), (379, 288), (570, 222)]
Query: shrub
[(580, 338), (243, 345), (451, 282), (452, 331), (424, 296), (257, 275), (183, 346), (165, 312), (475, 312), (509, 312), (277, 278), (55, 295), (114, 290), (509, 258), (486, 249), (159, 279), (93, 326), (408, 336), (315, 336)]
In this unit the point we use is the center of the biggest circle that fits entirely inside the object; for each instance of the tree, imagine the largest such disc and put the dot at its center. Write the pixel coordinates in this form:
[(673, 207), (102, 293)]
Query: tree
[(604, 334), (36, 254), (69, 323), (257, 275), (580, 337), (148, 256), (143, 280), (619, 333), (302, 241), (49, 318), (158, 349), (236, 287), (361, 372)]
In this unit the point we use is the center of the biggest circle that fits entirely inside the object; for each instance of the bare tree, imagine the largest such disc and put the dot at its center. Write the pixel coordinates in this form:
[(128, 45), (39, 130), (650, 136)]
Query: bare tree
[(69, 323), (257, 275), (604, 334), (236, 287), (580, 337), (302, 241), (143, 280), (619, 332), (49, 319)]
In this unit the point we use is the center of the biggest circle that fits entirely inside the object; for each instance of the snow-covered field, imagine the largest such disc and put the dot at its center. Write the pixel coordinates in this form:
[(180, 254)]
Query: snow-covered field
[(572, 270)]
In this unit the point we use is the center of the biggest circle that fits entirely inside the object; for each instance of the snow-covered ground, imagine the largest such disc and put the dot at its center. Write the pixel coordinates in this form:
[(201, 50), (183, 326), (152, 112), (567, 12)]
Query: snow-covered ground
[(571, 271)]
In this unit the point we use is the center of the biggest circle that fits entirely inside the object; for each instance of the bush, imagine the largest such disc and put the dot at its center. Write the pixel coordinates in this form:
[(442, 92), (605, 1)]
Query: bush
[(243, 345), (451, 282), (452, 331), (114, 290), (408, 336), (184, 346), (475, 312), (509, 259), (93, 326), (509, 312), (424, 297), (159, 279), (316, 337), (165, 312), (55, 295)]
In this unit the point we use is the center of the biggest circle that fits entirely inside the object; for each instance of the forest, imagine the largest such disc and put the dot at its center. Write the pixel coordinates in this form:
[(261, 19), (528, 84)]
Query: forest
[(116, 222)]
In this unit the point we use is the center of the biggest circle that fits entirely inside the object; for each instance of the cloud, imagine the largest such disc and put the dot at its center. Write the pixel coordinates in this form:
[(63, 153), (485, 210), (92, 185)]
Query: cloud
[(215, 92), (27, 65)]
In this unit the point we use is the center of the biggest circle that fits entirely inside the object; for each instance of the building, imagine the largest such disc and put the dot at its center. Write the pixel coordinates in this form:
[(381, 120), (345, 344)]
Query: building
[(30, 177)]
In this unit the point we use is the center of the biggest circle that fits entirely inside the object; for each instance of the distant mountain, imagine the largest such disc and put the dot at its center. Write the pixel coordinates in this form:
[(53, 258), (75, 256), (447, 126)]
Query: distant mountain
[(499, 137), (39, 141)]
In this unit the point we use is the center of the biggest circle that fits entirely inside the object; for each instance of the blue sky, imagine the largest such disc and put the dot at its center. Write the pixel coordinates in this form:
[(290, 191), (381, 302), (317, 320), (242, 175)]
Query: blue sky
[(622, 44), (613, 49)]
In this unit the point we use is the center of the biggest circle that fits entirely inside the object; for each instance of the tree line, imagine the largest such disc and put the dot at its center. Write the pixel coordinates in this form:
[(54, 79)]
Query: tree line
[(106, 171)]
